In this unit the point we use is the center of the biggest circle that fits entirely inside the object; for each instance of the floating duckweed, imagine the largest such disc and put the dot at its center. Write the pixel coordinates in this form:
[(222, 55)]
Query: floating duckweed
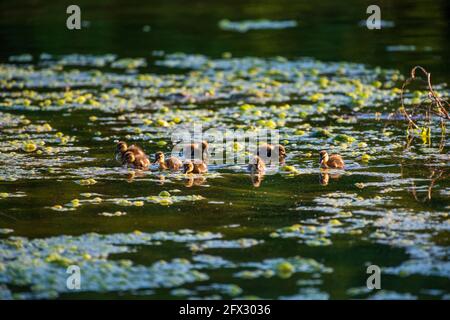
[(97, 200), (362, 145), (161, 143), (164, 194), (162, 123), (80, 100), (335, 222), (4, 195), (247, 107), (75, 202), (165, 202), (316, 97), (365, 157), (87, 256), (138, 203), (56, 258), (345, 214), (115, 214), (291, 169), (86, 182), (29, 147), (124, 202), (318, 242), (266, 83), (285, 268), (93, 118), (344, 138), (271, 124), (5, 231)]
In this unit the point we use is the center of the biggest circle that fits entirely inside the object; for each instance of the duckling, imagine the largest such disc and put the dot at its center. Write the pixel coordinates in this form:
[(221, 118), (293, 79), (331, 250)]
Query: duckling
[(172, 163), (194, 149), (122, 148), (257, 166), (134, 160), (330, 161), (265, 150), (195, 167)]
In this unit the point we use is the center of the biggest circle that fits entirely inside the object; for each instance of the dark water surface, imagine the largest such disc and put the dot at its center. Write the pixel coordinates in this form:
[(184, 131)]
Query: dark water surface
[(303, 233)]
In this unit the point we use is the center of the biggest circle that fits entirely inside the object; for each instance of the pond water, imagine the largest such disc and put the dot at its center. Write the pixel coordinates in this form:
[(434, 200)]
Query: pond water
[(137, 72)]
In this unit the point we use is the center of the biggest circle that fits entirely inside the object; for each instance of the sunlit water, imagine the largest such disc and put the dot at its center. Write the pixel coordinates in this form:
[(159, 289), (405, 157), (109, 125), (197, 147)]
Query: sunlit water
[(303, 233)]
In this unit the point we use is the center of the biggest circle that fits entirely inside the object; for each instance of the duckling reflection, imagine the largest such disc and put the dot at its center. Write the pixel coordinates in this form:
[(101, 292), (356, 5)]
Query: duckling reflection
[(131, 175), (324, 177), (257, 168), (161, 180), (194, 180), (256, 179)]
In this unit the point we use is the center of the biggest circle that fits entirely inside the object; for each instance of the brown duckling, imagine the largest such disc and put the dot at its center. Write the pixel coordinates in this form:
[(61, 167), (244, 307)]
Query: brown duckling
[(194, 149), (172, 163), (195, 167), (330, 161), (122, 148), (135, 160), (257, 166), (265, 150)]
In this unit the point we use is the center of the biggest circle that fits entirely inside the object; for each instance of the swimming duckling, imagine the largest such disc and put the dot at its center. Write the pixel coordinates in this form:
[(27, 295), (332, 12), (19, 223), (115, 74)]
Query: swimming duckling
[(257, 166), (195, 167), (193, 150), (122, 148), (265, 150), (324, 176), (330, 161), (135, 160), (172, 163)]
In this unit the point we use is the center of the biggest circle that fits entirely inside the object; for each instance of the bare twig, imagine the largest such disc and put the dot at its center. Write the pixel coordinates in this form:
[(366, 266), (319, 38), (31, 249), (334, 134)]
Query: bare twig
[(433, 106)]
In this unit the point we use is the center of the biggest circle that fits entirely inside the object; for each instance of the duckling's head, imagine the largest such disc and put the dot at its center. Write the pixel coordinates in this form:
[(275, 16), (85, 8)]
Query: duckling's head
[(323, 157), (188, 166), (122, 147), (128, 157), (159, 157), (281, 151)]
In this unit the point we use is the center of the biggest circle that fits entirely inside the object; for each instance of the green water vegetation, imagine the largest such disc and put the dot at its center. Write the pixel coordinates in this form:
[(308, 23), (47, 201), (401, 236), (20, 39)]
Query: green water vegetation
[(61, 116)]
